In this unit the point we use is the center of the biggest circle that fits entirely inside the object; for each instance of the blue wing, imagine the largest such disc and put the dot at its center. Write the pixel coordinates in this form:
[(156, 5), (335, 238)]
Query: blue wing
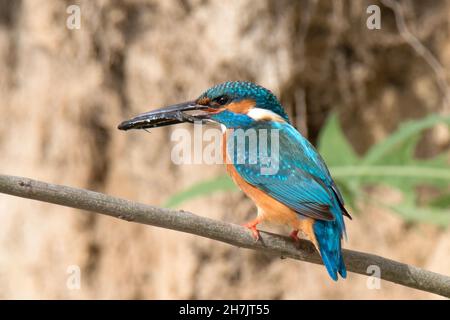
[(298, 176)]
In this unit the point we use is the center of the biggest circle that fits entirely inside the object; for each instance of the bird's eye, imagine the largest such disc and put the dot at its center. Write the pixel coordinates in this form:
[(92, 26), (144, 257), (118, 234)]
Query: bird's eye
[(222, 100)]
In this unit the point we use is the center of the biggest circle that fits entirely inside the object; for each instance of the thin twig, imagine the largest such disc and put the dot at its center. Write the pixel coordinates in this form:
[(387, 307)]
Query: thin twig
[(357, 262), (420, 49)]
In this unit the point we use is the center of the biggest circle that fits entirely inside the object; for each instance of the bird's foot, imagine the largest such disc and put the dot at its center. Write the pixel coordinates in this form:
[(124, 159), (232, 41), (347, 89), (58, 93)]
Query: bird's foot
[(252, 227), (294, 236)]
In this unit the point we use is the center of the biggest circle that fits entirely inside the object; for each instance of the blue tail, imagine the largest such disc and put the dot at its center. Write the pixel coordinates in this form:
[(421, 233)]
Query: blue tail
[(329, 235)]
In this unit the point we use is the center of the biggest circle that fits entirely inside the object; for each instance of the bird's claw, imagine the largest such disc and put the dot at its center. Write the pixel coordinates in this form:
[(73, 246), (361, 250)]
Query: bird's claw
[(294, 236), (252, 227)]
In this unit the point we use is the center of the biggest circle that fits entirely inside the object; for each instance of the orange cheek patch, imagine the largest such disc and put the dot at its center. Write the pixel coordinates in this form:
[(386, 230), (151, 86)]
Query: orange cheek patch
[(214, 110), (242, 106)]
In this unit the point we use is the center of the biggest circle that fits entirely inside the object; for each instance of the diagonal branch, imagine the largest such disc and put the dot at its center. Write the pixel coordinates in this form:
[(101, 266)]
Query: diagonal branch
[(357, 262)]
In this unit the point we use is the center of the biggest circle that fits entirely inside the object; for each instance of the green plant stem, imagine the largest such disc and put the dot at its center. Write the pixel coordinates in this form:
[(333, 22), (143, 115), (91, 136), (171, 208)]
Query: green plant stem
[(417, 172)]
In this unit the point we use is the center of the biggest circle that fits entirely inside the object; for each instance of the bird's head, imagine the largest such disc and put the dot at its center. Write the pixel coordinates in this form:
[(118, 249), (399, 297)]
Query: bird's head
[(232, 104)]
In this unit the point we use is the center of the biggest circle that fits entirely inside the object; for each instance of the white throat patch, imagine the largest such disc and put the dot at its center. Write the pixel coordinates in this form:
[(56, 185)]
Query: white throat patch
[(259, 114)]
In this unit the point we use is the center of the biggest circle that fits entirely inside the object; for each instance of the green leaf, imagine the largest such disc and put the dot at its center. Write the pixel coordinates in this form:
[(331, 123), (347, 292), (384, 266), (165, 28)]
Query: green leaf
[(441, 202), (381, 172), (335, 149), (419, 214), (203, 188), (333, 145), (395, 156), (401, 177), (389, 148)]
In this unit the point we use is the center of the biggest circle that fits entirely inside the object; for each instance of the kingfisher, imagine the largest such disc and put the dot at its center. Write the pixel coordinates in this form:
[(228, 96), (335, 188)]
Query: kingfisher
[(299, 192)]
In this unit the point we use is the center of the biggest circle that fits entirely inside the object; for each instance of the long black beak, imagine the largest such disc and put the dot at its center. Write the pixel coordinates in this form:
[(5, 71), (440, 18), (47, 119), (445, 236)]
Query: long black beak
[(177, 113)]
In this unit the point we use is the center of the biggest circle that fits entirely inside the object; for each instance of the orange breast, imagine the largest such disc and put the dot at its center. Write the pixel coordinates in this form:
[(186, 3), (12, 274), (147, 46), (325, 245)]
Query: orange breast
[(270, 209)]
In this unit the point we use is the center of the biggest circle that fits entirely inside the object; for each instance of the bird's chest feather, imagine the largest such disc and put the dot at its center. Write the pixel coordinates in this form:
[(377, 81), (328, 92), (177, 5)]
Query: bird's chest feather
[(268, 208)]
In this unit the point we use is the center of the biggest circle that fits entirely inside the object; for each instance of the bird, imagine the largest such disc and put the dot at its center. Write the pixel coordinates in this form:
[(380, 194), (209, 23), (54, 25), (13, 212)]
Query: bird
[(300, 193)]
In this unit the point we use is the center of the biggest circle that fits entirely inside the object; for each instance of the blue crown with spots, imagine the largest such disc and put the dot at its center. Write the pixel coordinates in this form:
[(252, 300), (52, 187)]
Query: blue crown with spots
[(241, 90)]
